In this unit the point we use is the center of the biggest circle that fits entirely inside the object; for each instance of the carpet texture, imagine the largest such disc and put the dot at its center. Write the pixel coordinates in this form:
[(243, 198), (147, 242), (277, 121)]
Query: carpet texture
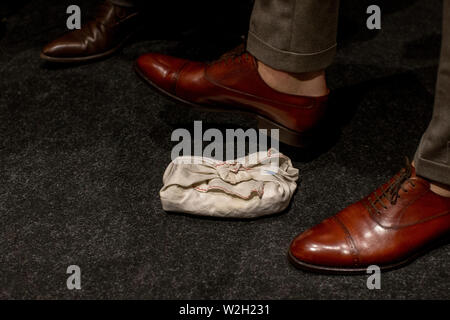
[(83, 150)]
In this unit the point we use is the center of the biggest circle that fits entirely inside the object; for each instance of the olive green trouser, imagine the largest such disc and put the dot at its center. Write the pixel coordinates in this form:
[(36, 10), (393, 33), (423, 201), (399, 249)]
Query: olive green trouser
[(294, 35), (300, 36), (432, 159)]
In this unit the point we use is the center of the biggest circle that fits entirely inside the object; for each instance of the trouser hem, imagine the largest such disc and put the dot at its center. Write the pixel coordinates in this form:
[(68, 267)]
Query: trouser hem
[(289, 61), (435, 171)]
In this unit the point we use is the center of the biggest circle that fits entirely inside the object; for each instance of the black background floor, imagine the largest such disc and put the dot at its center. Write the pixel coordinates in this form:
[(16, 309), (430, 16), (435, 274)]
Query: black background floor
[(83, 150)]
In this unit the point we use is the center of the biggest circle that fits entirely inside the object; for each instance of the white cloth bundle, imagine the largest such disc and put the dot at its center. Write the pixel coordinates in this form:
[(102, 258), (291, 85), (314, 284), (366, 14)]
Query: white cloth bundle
[(241, 189)]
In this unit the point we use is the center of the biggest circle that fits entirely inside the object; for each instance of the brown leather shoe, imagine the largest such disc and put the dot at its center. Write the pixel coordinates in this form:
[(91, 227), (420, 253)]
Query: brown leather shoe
[(233, 84), (391, 227), (98, 38)]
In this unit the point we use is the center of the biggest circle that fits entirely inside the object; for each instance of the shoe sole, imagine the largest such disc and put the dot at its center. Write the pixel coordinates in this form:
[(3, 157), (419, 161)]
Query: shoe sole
[(355, 271), (287, 136)]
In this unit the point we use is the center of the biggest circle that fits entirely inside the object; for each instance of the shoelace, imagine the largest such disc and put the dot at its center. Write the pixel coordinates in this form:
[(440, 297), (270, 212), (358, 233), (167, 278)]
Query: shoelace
[(391, 192)]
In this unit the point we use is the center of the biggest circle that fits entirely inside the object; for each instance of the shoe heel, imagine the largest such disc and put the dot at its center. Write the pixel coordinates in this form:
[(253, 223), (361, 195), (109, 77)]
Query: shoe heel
[(287, 136)]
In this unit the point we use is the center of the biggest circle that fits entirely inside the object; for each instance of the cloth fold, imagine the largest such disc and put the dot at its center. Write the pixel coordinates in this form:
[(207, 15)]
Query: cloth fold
[(257, 185)]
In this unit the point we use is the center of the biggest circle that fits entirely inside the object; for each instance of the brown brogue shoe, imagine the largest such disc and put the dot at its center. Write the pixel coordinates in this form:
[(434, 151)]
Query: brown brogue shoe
[(98, 38), (389, 228), (233, 84)]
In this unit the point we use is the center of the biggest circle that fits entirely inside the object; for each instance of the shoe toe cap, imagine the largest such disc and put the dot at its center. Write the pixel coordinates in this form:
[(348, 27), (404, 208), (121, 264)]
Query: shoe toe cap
[(63, 49), (327, 244), (160, 70)]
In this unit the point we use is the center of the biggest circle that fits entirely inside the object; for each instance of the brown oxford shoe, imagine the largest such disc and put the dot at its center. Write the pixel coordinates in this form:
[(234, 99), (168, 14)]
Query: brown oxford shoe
[(233, 84), (98, 38), (391, 227)]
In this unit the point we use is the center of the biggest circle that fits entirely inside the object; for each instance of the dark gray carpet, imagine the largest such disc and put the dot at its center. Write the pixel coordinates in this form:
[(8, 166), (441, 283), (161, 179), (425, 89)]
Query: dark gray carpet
[(83, 150)]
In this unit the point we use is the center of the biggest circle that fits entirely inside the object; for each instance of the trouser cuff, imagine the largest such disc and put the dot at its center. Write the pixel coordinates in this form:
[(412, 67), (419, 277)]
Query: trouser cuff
[(289, 61), (435, 171)]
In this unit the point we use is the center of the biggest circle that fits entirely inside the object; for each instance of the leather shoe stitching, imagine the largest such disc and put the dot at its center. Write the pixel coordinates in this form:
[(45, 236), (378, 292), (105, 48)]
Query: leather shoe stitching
[(177, 77), (350, 241), (374, 217), (311, 106)]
